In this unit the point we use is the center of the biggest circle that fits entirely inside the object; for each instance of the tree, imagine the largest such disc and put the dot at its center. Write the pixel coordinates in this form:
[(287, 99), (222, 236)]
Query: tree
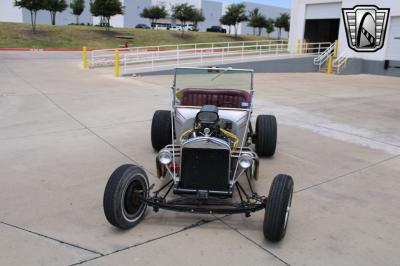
[(227, 21), (105, 9), (183, 13), (256, 20), (197, 17), (282, 22), (77, 7), (236, 13), (269, 26), (54, 6), (33, 6), (154, 13)]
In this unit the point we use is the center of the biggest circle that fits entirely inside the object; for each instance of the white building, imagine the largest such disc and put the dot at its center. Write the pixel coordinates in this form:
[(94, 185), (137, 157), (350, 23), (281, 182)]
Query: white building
[(268, 11), (10, 13), (212, 11), (321, 20)]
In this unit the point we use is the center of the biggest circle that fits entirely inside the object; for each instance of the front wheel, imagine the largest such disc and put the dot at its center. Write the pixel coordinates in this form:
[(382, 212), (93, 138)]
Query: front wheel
[(277, 208), (122, 201)]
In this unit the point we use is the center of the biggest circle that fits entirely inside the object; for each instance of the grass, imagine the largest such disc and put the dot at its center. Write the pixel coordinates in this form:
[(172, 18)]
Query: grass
[(18, 35)]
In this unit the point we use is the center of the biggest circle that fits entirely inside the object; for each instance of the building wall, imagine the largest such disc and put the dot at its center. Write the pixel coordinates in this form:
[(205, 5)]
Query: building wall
[(212, 13), (133, 10), (64, 18), (10, 13), (330, 9), (269, 12)]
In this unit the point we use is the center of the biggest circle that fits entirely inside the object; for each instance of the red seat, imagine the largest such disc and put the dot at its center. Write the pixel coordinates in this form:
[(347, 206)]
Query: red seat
[(218, 97)]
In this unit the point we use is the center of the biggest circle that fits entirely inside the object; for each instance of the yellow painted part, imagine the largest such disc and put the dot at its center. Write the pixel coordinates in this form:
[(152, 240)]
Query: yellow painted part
[(232, 136), (336, 48), (116, 63), (84, 57), (329, 70), (185, 134), (298, 46)]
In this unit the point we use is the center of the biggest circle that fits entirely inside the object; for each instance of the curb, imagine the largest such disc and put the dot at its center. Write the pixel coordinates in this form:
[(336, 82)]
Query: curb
[(44, 49)]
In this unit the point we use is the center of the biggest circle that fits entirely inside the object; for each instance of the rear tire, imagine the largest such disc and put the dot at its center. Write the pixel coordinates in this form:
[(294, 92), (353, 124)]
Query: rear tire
[(277, 208), (266, 135), (122, 205), (161, 129)]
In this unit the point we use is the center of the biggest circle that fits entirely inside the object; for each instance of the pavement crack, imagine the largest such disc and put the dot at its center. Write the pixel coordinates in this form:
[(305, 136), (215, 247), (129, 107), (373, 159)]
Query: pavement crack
[(80, 122), (348, 173), (252, 241), (194, 225), (52, 238)]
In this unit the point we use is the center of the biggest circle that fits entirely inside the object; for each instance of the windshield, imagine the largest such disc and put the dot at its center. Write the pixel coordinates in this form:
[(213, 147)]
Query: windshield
[(213, 78)]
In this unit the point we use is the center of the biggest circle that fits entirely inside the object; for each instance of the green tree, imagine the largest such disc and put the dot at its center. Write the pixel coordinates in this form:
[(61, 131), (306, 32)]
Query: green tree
[(154, 13), (269, 26), (254, 19), (235, 14), (183, 13), (197, 17), (77, 7), (227, 21), (54, 6), (33, 6), (282, 22), (105, 9)]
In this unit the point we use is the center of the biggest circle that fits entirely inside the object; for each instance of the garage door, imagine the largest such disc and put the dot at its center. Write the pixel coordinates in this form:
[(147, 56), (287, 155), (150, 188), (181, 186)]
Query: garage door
[(323, 11), (393, 41)]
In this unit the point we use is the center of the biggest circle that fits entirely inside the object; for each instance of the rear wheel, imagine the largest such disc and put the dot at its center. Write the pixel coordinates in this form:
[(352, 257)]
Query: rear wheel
[(266, 135), (277, 208), (122, 203), (161, 129)]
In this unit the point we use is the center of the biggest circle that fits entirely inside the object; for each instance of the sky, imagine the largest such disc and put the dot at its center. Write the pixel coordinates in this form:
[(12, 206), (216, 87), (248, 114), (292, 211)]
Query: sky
[(281, 3)]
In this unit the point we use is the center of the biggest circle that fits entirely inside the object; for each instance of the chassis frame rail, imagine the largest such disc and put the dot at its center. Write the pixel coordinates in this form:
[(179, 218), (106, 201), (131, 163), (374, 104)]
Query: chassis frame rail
[(246, 208)]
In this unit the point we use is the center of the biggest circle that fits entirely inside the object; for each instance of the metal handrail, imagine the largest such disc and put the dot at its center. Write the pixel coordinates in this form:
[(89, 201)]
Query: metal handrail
[(106, 56), (323, 57), (341, 61), (154, 60)]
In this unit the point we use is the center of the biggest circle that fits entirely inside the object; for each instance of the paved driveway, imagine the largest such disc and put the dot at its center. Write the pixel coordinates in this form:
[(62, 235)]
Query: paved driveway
[(63, 131)]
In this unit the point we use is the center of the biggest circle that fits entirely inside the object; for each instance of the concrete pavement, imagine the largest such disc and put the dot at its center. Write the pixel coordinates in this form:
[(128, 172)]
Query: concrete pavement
[(63, 131)]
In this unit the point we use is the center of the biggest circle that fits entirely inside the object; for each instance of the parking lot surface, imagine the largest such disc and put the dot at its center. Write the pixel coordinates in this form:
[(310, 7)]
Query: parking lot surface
[(63, 130)]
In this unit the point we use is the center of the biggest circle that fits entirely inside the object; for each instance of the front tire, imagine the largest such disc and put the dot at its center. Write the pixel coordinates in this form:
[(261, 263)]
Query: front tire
[(278, 207), (266, 135), (161, 129), (122, 202)]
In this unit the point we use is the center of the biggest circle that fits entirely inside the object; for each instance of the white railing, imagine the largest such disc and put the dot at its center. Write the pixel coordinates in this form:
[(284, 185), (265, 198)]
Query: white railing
[(157, 60), (323, 57), (341, 61), (106, 57)]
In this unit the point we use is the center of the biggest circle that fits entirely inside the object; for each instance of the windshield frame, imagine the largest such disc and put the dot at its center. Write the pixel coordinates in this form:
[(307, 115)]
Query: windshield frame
[(221, 71), (251, 90)]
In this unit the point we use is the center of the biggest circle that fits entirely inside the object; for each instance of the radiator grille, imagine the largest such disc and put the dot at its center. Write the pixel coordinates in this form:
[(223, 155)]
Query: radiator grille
[(205, 169)]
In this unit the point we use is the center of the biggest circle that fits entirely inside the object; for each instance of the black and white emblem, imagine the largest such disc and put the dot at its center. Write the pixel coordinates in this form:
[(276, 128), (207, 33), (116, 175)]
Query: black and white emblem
[(365, 27)]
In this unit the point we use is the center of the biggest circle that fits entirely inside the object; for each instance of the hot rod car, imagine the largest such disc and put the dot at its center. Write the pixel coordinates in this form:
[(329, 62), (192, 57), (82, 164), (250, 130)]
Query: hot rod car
[(205, 156)]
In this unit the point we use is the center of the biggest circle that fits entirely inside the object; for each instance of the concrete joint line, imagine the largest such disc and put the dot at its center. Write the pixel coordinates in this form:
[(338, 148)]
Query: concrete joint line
[(79, 122), (51, 238), (252, 241), (348, 173), (197, 224)]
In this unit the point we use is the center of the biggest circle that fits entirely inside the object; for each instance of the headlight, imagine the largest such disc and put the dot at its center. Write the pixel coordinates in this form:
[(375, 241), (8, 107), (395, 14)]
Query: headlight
[(245, 161), (165, 157)]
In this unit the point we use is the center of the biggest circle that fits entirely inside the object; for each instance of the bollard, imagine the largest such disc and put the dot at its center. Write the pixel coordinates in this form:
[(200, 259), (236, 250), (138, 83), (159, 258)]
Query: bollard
[(336, 48), (116, 63), (298, 47), (329, 70), (84, 58)]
